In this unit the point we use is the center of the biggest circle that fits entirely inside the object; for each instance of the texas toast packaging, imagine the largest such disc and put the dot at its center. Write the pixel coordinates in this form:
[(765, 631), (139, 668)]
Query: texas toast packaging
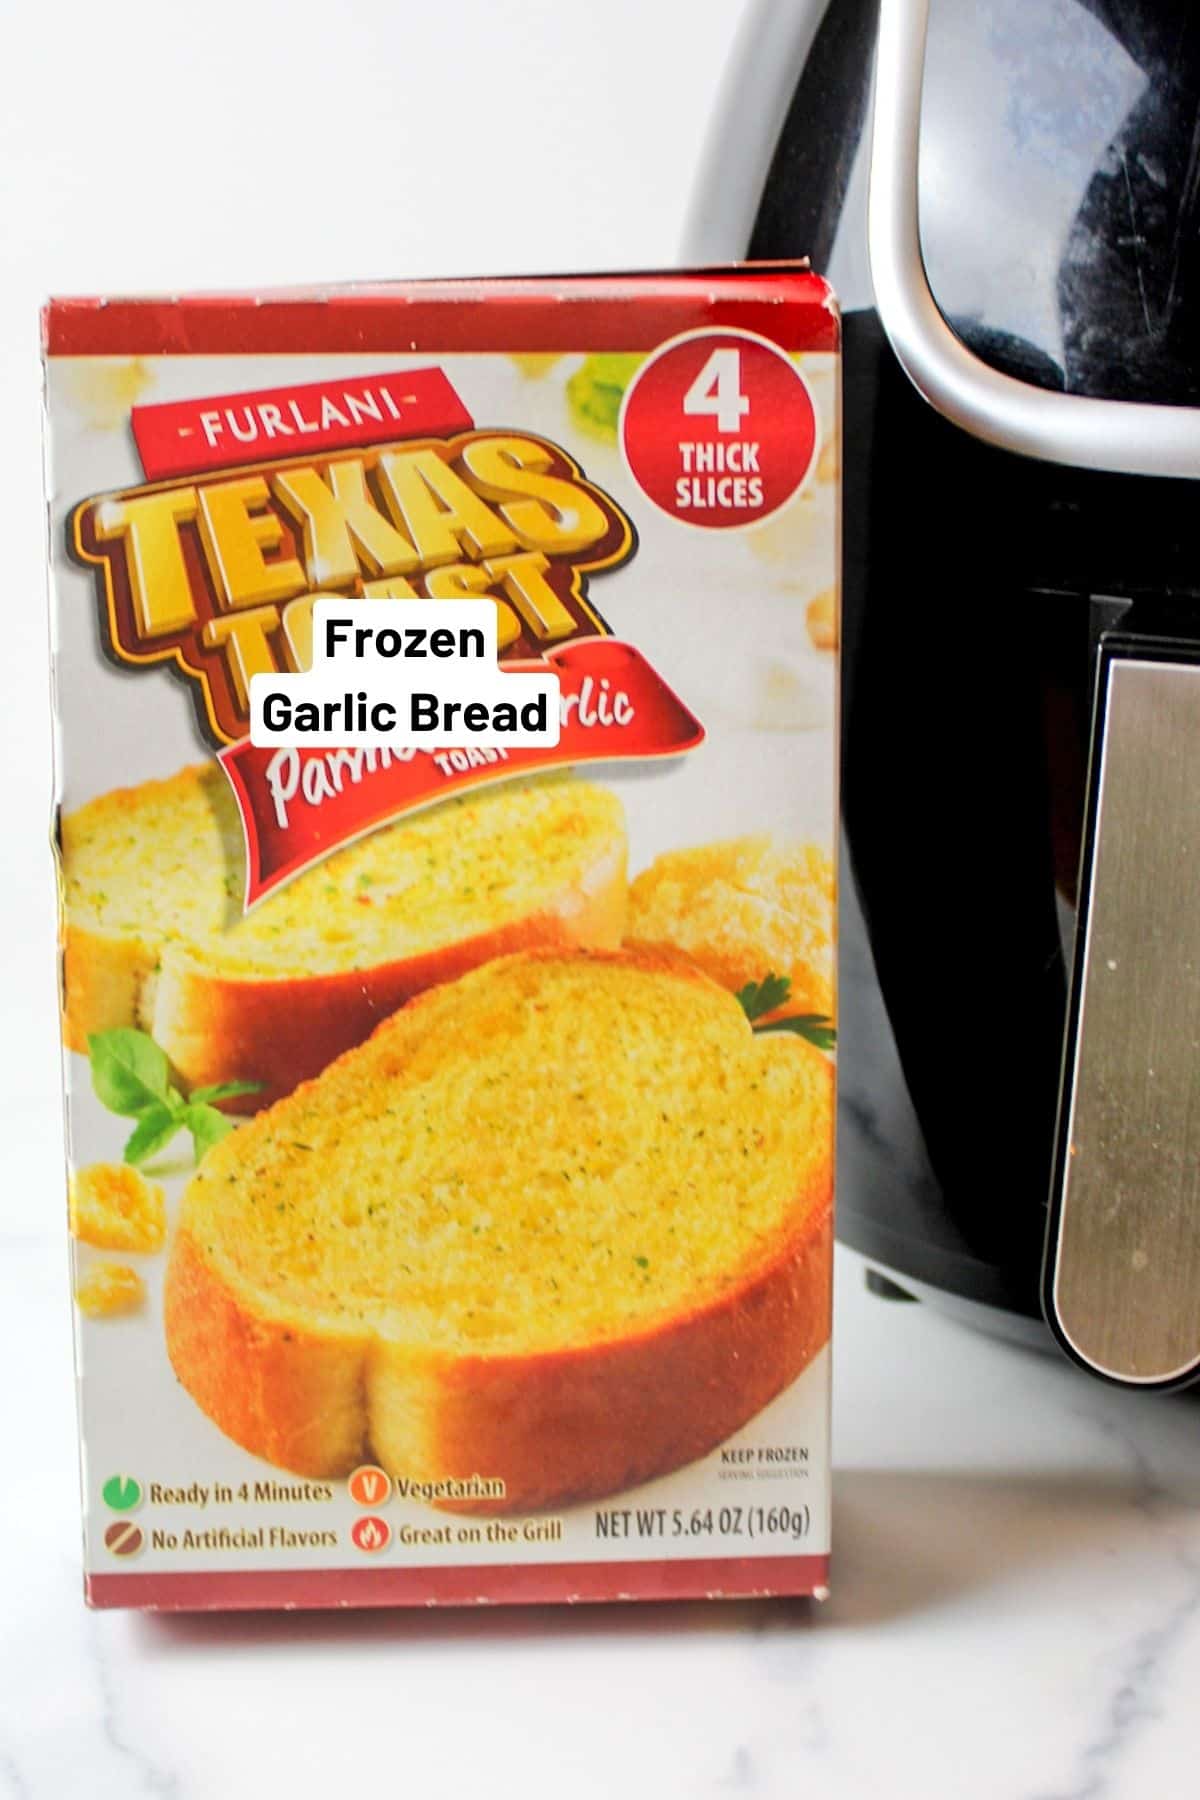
[(450, 1126)]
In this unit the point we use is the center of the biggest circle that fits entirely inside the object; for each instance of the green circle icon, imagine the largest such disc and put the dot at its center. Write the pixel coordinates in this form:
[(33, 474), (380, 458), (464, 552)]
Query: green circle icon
[(122, 1493)]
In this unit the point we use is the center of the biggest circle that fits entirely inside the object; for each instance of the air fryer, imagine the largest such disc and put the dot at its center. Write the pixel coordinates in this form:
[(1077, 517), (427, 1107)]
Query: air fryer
[(1007, 195)]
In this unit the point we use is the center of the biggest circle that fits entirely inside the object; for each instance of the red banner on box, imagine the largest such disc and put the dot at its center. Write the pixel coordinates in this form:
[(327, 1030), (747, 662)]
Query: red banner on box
[(188, 437), (298, 806)]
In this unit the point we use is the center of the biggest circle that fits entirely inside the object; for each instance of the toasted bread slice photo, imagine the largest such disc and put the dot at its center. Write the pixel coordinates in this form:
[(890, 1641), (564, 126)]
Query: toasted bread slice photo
[(559, 1226), (745, 909), (155, 935)]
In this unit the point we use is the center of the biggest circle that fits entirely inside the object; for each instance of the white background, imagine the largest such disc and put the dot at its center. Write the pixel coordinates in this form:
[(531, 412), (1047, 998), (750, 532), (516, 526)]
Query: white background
[(1016, 1606)]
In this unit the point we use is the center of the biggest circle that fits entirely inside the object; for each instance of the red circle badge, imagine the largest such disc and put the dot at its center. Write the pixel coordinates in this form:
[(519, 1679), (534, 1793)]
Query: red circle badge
[(370, 1485), (718, 429), (371, 1534)]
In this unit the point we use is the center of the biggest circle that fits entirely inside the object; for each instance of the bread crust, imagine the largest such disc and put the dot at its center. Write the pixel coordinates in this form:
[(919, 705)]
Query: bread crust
[(554, 1426), (292, 1395), (280, 1031), (103, 978)]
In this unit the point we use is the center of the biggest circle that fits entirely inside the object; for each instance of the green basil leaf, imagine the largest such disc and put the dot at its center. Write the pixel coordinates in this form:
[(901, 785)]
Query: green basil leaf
[(152, 1133), (224, 1090), (129, 1071), (818, 1029), (758, 998), (207, 1126)]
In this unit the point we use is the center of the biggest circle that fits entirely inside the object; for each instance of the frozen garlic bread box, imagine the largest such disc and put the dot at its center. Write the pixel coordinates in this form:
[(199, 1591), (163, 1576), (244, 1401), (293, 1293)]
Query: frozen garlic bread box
[(450, 1127)]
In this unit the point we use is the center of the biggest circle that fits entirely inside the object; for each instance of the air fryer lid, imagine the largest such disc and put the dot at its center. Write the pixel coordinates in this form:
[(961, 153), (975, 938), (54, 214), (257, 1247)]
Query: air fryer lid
[(1035, 180), (1060, 189)]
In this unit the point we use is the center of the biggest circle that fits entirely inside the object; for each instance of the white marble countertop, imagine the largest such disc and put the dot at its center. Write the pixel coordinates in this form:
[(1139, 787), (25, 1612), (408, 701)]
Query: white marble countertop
[(1015, 1613)]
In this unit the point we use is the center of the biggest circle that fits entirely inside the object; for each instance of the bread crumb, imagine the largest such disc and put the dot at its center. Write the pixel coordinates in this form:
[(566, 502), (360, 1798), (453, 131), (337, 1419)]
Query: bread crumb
[(822, 620), (534, 364), (115, 1208), (102, 393), (109, 1289)]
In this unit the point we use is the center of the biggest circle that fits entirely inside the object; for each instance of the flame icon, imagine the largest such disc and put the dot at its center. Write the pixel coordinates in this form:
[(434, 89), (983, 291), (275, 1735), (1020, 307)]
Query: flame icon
[(371, 1534)]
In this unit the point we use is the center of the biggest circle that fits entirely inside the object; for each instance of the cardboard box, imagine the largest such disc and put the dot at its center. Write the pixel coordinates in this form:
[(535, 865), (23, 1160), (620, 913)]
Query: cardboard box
[(451, 1127)]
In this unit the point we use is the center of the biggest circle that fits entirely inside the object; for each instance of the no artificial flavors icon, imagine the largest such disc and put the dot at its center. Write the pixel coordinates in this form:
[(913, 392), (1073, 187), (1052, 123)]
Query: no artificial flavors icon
[(124, 1538)]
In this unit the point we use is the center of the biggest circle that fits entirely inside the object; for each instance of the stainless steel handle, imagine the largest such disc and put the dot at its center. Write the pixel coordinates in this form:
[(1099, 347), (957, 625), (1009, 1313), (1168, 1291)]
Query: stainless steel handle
[(1127, 437), (1122, 1279)]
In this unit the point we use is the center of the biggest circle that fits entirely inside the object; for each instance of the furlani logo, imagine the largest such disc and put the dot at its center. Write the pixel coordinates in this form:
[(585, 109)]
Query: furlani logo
[(380, 487), (189, 436)]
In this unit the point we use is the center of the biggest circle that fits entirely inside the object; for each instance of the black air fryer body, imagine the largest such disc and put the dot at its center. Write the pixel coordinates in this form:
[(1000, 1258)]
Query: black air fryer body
[(978, 587)]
